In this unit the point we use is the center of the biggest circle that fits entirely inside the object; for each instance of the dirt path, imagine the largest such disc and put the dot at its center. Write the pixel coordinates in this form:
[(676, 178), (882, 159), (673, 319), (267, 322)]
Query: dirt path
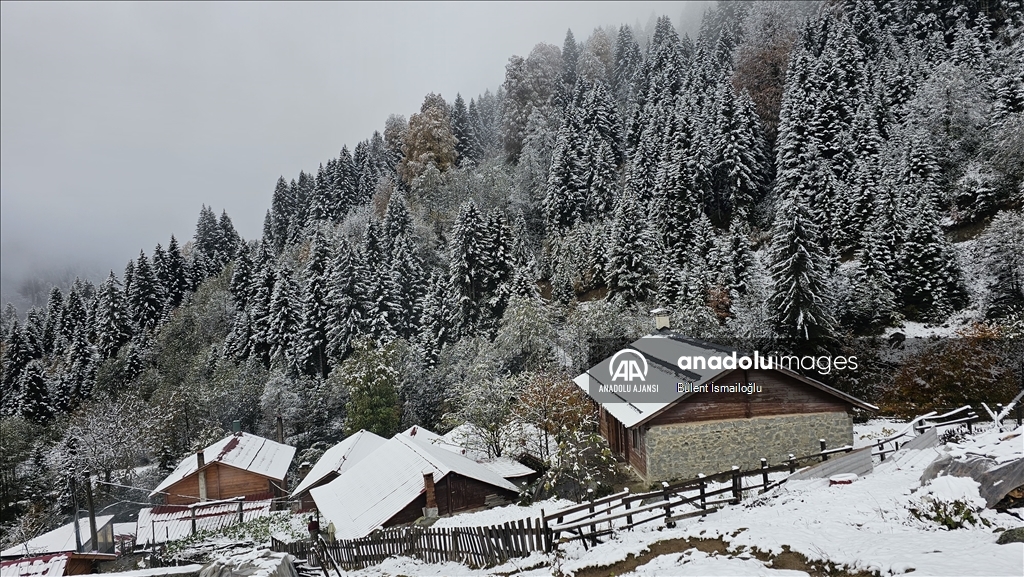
[(785, 560)]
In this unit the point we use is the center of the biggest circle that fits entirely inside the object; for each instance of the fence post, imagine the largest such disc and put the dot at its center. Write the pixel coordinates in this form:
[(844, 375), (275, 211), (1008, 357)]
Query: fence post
[(1018, 412), (764, 474), (668, 508), (792, 464), (193, 509), (703, 491), (593, 528), (241, 515), (625, 503), (737, 485), (881, 449), (824, 457), (970, 426)]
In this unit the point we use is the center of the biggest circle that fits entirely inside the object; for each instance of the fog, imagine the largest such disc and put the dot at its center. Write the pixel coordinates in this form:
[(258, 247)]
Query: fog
[(119, 121)]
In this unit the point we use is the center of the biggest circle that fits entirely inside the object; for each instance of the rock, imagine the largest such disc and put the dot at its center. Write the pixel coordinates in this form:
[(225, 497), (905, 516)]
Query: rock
[(1012, 536)]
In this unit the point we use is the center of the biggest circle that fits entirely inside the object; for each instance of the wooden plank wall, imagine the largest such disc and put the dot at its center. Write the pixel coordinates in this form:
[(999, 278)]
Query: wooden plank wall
[(781, 395)]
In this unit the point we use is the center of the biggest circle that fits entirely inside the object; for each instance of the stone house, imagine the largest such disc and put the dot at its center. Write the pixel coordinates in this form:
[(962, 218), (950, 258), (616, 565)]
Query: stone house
[(711, 412)]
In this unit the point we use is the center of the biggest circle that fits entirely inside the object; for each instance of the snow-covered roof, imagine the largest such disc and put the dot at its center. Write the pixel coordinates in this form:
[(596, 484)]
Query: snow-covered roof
[(240, 450), (170, 522), (365, 496), (441, 441), (45, 566), (507, 468), (340, 458), (663, 349), (59, 540)]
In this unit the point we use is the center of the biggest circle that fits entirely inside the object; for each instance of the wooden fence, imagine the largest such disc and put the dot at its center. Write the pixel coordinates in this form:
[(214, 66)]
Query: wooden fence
[(588, 521), (962, 416), (473, 546)]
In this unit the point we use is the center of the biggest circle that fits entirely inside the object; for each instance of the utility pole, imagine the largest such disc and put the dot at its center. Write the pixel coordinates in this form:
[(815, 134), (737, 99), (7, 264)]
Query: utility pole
[(74, 521), (92, 511)]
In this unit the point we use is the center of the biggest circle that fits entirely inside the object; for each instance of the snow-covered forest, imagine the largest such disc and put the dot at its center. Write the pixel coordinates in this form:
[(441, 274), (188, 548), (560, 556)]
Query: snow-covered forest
[(800, 177)]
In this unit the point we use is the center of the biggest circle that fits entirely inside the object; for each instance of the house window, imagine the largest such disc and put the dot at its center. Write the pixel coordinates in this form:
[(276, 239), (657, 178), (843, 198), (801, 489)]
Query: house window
[(637, 438)]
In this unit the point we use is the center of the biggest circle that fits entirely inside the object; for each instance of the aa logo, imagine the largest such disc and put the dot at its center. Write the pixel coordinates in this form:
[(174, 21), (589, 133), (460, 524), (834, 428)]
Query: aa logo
[(628, 368)]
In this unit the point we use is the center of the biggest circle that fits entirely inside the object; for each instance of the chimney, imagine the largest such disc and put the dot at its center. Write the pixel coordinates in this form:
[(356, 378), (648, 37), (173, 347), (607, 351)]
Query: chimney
[(430, 511), (236, 426), (304, 469), (661, 318), (280, 429), (200, 460)]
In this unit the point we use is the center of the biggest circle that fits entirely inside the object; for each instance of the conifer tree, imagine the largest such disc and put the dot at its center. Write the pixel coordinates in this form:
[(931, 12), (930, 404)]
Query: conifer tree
[(468, 269), (628, 59), (35, 324), (74, 317), (346, 182), (230, 240), (346, 295), (282, 212), (15, 358), (929, 279), (209, 239), (176, 282), (437, 329), (145, 300), (570, 58), (54, 313), (242, 278), (631, 265), (408, 279), (467, 146), (283, 319), (35, 396), (801, 297), (313, 334), (113, 327)]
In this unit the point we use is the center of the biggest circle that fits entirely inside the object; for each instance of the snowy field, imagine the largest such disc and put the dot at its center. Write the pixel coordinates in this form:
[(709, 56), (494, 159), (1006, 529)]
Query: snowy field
[(866, 526)]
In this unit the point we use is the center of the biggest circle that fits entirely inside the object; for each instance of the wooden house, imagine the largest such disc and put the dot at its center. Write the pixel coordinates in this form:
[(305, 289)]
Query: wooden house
[(240, 465), (705, 429), (402, 480), (334, 462)]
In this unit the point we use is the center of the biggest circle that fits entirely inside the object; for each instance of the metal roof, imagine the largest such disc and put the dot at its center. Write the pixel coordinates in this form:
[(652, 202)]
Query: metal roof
[(170, 522), (59, 540), (340, 458), (662, 349), (365, 496), (240, 450), (44, 566), (507, 468)]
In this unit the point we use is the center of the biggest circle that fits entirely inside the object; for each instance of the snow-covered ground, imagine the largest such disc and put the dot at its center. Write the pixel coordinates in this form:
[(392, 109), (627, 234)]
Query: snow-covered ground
[(864, 526)]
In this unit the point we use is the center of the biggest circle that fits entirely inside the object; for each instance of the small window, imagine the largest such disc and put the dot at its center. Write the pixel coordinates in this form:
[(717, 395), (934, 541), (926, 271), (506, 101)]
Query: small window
[(636, 438)]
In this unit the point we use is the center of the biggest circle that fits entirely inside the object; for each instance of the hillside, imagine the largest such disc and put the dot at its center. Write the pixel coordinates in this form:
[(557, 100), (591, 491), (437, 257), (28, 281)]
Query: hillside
[(807, 178)]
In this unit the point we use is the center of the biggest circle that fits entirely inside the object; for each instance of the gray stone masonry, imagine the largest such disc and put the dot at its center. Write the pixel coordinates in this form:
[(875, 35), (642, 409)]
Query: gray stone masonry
[(681, 451)]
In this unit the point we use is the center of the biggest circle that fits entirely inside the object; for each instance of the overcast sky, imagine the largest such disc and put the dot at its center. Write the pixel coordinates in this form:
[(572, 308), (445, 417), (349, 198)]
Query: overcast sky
[(120, 120)]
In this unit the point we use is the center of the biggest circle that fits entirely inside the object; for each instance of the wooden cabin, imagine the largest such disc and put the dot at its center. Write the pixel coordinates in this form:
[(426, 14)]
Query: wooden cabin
[(240, 465), (707, 430), (333, 463), (405, 479)]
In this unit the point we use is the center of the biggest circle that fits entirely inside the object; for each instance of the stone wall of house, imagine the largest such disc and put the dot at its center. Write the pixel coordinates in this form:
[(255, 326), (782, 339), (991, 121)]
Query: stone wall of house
[(681, 451)]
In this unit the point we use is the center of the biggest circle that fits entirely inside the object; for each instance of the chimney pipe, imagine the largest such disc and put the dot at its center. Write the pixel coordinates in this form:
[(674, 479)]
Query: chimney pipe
[(280, 429), (236, 426), (200, 460), (662, 318), (430, 511)]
